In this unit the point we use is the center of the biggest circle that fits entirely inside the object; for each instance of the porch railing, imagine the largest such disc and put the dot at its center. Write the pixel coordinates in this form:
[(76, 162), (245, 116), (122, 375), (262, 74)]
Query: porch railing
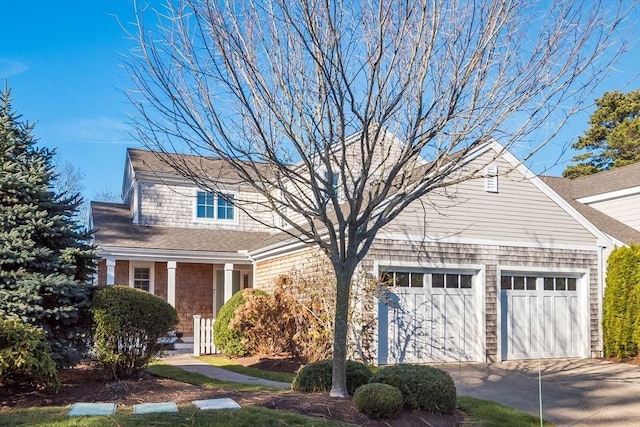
[(203, 335)]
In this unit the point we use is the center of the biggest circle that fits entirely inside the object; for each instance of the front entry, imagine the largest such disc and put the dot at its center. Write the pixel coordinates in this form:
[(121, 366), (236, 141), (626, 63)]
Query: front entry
[(218, 295)]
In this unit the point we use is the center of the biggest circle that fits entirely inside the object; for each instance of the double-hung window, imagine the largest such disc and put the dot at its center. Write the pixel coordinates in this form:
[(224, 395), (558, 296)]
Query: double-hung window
[(217, 206)]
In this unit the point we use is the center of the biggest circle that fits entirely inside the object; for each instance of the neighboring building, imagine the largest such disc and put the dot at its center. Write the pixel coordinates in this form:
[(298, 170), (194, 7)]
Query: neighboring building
[(499, 267)]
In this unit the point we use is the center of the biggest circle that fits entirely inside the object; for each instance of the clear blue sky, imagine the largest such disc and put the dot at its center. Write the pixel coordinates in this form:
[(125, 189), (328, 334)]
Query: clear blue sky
[(62, 62)]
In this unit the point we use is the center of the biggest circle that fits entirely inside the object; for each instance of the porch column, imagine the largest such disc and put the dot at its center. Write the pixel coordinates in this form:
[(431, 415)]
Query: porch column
[(228, 281), (171, 283), (111, 271)]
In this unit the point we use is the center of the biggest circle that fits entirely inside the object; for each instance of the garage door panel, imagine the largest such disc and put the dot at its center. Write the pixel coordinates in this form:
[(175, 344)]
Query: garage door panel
[(543, 321), (430, 325)]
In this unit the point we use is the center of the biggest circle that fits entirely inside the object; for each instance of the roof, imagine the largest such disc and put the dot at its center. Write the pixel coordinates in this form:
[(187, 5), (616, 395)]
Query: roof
[(158, 163), (114, 228), (604, 182), (573, 189)]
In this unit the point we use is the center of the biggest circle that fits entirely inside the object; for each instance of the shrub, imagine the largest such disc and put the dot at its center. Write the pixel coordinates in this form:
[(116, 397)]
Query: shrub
[(127, 325), (621, 307), (25, 355), (230, 341), (316, 376), (422, 387), (268, 323), (378, 400)]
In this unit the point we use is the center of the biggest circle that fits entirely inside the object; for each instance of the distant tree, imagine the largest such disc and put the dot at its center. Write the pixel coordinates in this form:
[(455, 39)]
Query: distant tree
[(45, 259), (305, 100), (613, 138)]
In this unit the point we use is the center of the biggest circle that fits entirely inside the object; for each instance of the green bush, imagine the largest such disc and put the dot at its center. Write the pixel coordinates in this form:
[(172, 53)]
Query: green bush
[(127, 325), (229, 341), (25, 355), (316, 376), (378, 400), (422, 387), (621, 306)]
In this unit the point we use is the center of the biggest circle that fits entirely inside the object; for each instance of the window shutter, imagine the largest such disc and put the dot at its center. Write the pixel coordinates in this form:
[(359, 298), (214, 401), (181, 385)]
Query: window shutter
[(491, 180)]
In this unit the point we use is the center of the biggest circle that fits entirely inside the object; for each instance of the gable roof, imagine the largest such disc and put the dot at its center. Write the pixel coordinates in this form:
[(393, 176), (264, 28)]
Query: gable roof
[(156, 163), (573, 189), (114, 228)]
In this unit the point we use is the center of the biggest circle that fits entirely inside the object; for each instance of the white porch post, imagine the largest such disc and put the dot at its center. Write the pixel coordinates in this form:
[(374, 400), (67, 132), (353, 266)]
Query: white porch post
[(111, 271), (228, 281), (171, 283)]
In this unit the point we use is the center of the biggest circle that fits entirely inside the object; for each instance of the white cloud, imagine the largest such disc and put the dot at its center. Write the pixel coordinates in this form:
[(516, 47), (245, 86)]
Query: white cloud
[(10, 68)]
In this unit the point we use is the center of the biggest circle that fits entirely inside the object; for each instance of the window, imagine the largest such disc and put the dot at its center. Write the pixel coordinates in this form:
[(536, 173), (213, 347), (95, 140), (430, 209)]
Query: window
[(141, 278), (529, 283), (217, 206), (402, 279), (332, 185), (141, 275), (451, 280)]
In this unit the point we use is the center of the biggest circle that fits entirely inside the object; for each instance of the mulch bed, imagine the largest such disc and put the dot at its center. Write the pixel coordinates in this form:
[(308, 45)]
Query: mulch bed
[(83, 384)]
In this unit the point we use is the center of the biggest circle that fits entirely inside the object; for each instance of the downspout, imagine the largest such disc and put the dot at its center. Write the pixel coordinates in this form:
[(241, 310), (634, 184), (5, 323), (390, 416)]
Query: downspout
[(601, 285)]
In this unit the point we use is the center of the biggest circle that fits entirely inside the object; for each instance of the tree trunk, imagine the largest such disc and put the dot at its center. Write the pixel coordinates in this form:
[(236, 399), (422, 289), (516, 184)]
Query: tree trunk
[(339, 375)]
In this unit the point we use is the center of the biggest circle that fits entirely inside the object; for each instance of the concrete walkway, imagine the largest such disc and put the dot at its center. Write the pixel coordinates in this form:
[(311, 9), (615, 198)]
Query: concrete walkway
[(575, 392), (192, 364)]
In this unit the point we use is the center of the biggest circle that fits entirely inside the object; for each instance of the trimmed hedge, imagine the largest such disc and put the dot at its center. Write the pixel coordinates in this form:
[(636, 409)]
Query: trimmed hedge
[(316, 376), (25, 355), (127, 325), (422, 387), (229, 341), (378, 400), (621, 307)]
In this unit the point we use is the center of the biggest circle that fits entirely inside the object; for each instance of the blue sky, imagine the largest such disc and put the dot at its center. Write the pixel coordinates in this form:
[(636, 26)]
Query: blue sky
[(62, 61)]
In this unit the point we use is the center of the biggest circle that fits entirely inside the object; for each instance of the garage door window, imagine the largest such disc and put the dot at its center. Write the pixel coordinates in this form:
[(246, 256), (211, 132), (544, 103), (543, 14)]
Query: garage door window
[(451, 281), (402, 279), (560, 284), (518, 283)]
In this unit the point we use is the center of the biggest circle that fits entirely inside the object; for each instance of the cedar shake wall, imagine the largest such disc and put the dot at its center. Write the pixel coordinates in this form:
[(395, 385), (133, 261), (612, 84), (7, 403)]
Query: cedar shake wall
[(194, 293), (160, 280), (492, 257), (122, 273), (306, 265), (102, 272)]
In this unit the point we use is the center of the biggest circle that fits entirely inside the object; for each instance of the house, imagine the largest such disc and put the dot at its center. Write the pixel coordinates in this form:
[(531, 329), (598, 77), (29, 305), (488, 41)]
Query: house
[(494, 268)]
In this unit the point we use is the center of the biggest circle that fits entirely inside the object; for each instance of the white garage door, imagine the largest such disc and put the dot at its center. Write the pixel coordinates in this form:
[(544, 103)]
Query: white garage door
[(429, 317), (542, 316)]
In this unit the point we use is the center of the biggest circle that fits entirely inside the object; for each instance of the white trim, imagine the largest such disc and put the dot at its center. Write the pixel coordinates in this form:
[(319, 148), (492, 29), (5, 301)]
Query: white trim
[(215, 219), (140, 264), (162, 255), (631, 191), (404, 237)]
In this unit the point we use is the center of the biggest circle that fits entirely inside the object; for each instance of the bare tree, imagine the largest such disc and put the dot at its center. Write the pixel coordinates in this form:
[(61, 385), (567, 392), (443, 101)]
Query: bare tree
[(342, 113)]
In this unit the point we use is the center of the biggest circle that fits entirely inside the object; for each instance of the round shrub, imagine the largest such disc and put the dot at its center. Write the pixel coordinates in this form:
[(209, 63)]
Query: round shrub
[(227, 340), (422, 387), (127, 325), (316, 376), (25, 355), (378, 400)]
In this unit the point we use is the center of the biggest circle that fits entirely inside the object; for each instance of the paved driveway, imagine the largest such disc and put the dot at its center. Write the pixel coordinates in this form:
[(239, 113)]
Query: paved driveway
[(575, 392)]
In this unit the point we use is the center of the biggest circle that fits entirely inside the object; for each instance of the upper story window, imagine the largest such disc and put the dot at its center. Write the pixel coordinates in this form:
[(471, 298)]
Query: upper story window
[(215, 206)]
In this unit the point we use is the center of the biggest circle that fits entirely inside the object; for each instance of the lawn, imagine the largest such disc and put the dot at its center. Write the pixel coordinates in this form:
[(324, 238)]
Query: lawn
[(477, 412)]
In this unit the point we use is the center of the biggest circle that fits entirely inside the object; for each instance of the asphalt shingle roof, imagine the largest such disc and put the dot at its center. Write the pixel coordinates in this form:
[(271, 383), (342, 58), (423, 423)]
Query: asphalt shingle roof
[(114, 228)]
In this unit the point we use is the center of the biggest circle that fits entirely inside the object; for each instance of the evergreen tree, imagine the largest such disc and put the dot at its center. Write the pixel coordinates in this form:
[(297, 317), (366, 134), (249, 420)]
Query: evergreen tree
[(45, 259), (613, 138)]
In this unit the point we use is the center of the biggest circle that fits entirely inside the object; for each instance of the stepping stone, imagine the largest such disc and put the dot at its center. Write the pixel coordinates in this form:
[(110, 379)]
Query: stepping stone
[(152, 408), (81, 409), (209, 404)]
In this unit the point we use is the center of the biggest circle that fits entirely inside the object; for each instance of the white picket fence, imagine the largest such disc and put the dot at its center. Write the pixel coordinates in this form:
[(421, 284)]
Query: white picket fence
[(203, 335)]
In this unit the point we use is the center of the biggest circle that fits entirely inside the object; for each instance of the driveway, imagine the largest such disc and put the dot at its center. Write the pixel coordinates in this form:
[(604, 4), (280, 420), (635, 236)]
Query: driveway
[(575, 392)]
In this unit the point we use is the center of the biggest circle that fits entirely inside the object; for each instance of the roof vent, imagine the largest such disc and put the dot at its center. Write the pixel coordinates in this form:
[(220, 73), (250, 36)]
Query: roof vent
[(491, 179)]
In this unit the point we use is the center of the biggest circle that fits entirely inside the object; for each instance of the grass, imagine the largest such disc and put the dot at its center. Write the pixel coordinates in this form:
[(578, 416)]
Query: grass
[(485, 413), (230, 365), (187, 416), (172, 372)]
